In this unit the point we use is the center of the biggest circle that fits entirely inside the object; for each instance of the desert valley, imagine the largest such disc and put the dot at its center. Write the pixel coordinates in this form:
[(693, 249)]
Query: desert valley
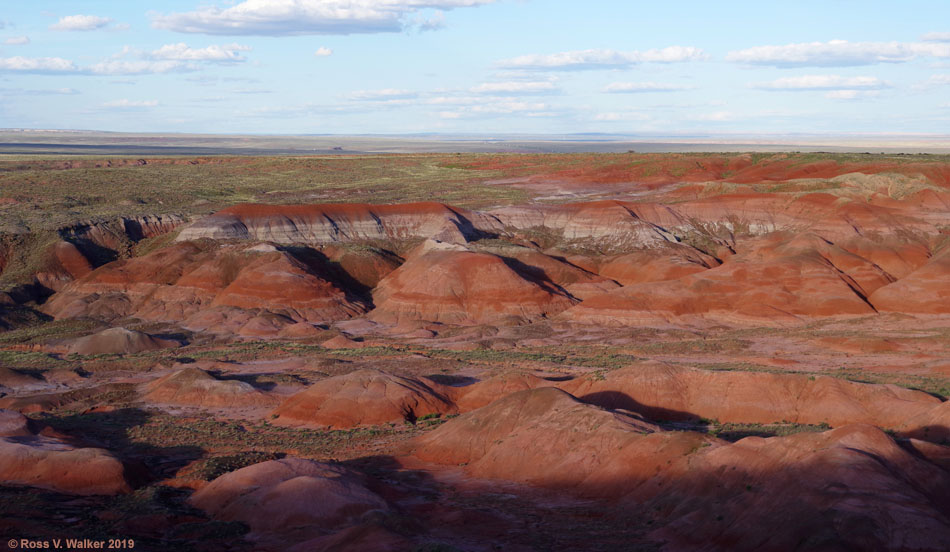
[(475, 352)]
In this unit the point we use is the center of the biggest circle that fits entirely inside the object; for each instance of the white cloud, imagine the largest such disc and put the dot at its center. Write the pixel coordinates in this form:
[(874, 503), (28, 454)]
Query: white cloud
[(515, 88), (838, 53), (936, 37), (434, 23), (323, 51), (138, 67), (454, 100), (824, 82), (181, 52), (307, 17), (716, 116), (383, 95), (498, 107), (639, 87), (622, 116), (131, 104), (843, 94), (80, 23), (17, 40), (935, 80), (37, 65), (602, 59), (42, 92)]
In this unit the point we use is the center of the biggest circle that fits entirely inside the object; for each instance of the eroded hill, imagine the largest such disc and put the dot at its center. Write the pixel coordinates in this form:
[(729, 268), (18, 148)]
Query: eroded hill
[(525, 352)]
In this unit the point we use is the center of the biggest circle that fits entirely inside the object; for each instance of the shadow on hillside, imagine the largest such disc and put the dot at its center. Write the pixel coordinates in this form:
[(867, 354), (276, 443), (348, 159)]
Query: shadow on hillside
[(113, 431)]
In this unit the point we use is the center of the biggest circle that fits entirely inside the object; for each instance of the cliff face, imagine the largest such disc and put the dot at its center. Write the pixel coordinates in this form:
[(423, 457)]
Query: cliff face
[(325, 223)]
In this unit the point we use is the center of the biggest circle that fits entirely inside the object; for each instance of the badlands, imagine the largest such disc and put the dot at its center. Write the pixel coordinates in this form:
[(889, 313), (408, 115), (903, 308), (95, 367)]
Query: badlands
[(477, 352)]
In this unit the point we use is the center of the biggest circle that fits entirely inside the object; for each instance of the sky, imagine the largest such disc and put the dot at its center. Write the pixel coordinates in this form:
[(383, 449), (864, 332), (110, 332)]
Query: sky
[(677, 68)]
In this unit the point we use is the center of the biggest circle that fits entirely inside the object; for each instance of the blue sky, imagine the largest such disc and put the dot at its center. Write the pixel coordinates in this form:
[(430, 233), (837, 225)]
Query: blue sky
[(477, 66)]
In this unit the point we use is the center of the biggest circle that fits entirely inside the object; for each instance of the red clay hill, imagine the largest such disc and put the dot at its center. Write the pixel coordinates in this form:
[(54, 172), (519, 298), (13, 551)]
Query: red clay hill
[(658, 352)]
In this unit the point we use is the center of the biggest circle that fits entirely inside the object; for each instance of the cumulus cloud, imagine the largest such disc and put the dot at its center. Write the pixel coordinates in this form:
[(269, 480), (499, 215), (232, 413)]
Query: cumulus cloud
[(434, 23), (843, 94), (386, 94), (17, 40), (308, 17), (934, 81), (936, 37), (323, 51), (613, 116), (182, 52), (51, 65), (80, 23), (41, 92), (498, 107), (716, 116), (602, 59), (824, 82), (838, 53), (641, 87), (130, 104), (138, 67), (516, 88)]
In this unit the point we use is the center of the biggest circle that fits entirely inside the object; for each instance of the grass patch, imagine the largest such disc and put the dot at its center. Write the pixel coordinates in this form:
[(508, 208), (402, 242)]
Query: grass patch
[(735, 432)]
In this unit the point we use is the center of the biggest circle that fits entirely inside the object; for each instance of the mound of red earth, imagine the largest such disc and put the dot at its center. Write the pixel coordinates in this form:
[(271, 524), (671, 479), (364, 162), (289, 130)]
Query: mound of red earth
[(366, 265), (65, 263), (655, 265), (677, 393), (485, 392), (464, 287), (296, 498), (119, 341), (195, 387), (932, 425), (552, 271), (14, 380), (851, 488), (548, 438), (704, 493), (364, 397), (206, 286), (315, 224), (776, 279), (14, 424), (50, 463), (923, 291)]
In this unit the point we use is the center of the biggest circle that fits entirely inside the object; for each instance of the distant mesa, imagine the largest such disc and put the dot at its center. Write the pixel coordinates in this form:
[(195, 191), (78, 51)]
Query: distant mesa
[(336, 222)]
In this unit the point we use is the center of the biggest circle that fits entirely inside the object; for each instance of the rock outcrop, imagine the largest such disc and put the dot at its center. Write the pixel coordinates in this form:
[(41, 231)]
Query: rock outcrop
[(334, 222)]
